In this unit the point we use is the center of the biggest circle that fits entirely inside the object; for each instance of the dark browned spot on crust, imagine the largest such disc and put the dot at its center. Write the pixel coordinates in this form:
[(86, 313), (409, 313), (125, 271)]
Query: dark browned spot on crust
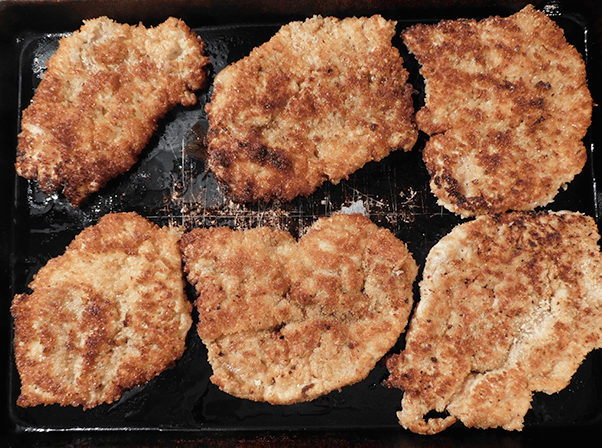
[(259, 153)]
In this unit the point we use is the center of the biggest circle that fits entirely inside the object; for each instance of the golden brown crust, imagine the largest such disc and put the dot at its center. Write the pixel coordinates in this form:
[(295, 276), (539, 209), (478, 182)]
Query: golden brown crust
[(317, 102), (99, 101), (286, 322), (107, 315), (510, 304), (507, 105)]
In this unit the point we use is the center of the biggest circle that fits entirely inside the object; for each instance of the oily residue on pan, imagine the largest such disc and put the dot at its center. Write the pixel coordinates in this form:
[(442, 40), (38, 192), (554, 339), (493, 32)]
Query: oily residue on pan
[(196, 199)]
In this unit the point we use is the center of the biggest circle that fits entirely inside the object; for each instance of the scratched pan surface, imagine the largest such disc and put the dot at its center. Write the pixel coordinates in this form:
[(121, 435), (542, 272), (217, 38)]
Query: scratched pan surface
[(169, 184)]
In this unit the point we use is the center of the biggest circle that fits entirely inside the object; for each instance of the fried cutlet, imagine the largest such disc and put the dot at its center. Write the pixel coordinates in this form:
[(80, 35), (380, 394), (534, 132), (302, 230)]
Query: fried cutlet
[(287, 321), (506, 108), (316, 102), (107, 315), (510, 305), (100, 99)]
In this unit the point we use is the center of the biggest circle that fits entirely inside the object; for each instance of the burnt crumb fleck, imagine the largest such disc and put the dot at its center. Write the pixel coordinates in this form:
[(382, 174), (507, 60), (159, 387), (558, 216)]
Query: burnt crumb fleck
[(222, 158), (543, 85), (307, 388)]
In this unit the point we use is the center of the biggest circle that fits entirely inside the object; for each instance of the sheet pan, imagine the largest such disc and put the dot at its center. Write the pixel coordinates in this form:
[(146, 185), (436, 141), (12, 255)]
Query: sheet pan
[(169, 184)]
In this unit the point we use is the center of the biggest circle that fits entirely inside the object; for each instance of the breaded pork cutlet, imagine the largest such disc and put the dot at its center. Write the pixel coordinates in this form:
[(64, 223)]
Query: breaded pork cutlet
[(506, 108), (316, 102), (107, 315), (287, 321), (510, 304), (99, 101)]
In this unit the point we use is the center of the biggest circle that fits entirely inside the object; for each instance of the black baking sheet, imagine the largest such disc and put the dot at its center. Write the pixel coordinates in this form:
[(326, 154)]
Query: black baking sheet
[(169, 184)]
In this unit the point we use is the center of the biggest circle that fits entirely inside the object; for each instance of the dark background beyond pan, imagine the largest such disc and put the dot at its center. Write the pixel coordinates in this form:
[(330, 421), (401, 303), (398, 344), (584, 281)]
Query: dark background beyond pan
[(169, 184)]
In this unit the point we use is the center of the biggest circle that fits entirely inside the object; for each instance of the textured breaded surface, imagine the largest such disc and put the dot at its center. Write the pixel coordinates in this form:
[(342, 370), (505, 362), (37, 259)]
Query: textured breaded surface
[(316, 102), (99, 101), (107, 315), (288, 321), (506, 108), (510, 304)]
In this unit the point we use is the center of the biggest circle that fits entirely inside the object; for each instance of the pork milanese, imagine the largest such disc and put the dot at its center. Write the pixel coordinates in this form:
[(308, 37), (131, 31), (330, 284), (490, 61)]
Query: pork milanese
[(287, 321), (107, 315), (99, 101), (316, 102), (506, 108), (509, 305)]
